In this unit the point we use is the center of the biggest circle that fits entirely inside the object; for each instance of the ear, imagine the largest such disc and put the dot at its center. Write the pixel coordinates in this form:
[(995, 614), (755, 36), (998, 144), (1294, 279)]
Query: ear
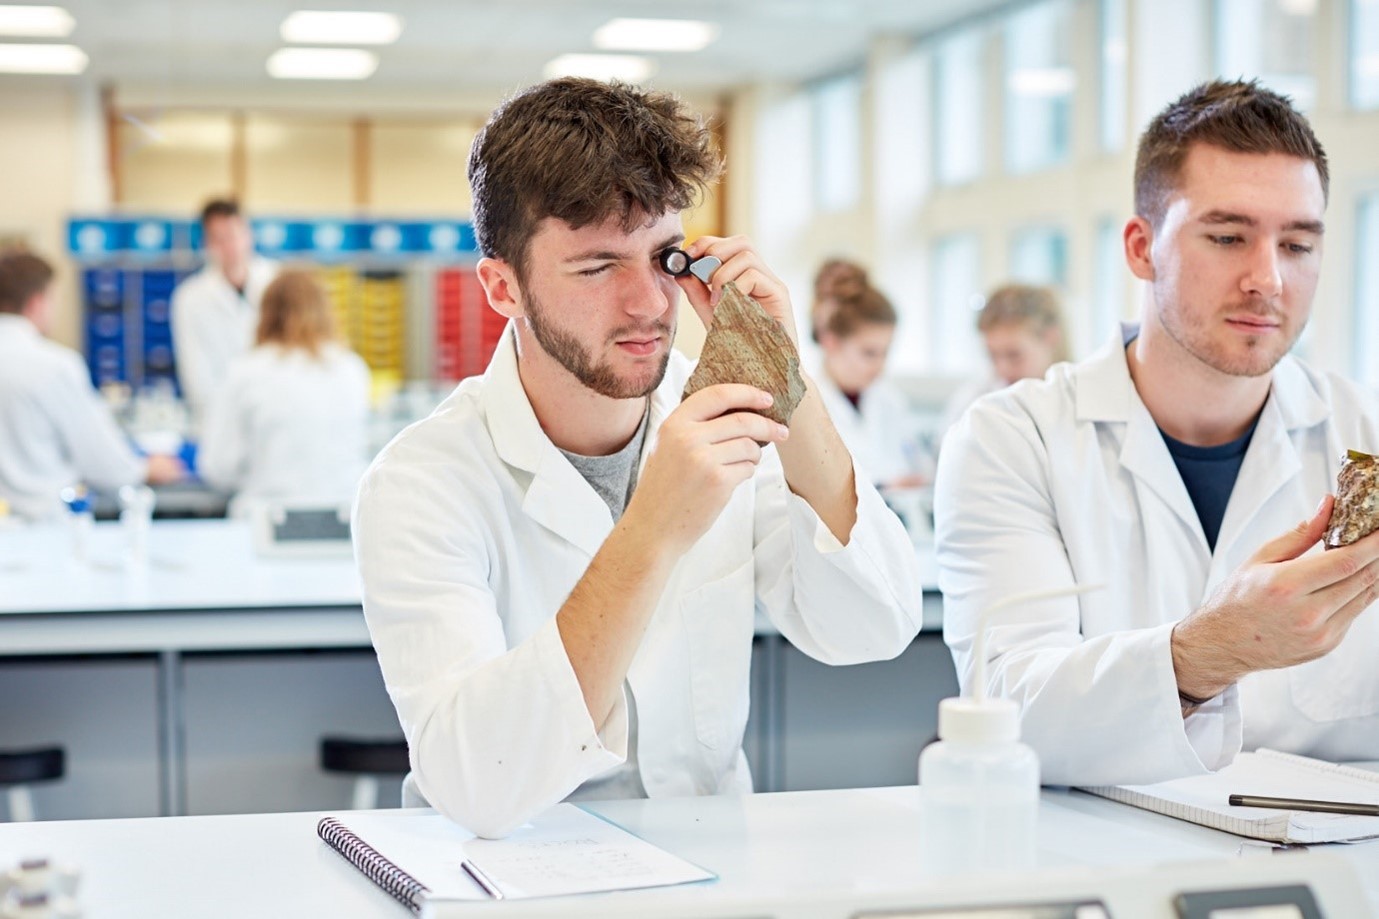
[(1138, 238), (500, 284)]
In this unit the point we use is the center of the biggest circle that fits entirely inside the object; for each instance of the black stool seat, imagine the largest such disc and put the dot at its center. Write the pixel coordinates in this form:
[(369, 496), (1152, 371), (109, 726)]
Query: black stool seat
[(44, 764), (366, 757)]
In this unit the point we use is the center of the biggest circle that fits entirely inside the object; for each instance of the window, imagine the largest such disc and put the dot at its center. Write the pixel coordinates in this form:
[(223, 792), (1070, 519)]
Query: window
[(958, 108), (1113, 75), (1366, 314), (1039, 86), (1108, 283), (1271, 41), (956, 298), (836, 106), (1039, 255), (1364, 53)]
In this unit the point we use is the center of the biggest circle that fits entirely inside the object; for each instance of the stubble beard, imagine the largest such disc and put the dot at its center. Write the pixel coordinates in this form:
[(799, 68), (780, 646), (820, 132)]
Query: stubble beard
[(600, 377)]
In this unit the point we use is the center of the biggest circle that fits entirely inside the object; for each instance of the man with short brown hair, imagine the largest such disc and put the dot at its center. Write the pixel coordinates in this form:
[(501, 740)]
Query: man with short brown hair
[(54, 429), (561, 565), (1159, 467), (216, 310)]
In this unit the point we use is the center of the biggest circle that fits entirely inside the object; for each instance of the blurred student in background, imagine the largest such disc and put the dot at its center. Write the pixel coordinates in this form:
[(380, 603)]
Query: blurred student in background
[(855, 324), (1022, 328), (54, 429), (836, 278), (215, 311), (290, 422)]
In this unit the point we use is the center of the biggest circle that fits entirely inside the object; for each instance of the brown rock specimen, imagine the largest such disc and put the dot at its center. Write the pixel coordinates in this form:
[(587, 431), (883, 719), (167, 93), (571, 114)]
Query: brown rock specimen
[(1356, 513), (745, 345)]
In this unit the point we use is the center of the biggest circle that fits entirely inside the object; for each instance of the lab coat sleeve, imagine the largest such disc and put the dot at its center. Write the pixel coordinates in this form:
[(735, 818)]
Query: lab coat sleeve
[(99, 450), (223, 453), (1098, 711), (840, 604), (496, 734), (187, 339)]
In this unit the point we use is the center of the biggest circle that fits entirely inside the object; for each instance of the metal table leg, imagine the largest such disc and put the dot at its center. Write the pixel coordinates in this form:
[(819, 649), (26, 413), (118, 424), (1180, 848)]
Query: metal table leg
[(172, 785)]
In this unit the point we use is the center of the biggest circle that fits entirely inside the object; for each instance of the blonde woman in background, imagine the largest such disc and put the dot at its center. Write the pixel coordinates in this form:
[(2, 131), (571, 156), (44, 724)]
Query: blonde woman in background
[(291, 422), (1022, 328), (855, 326)]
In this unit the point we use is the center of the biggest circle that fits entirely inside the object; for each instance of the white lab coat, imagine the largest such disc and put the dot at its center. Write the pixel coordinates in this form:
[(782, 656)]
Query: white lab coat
[(54, 429), (287, 426), (212, 324), (1067, 480), (880, 432), (471, 529)]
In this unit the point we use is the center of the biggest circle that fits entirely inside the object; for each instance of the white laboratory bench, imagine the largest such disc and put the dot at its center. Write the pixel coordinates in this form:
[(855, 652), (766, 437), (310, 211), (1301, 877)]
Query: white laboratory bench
[(796, 855), (204, 590)]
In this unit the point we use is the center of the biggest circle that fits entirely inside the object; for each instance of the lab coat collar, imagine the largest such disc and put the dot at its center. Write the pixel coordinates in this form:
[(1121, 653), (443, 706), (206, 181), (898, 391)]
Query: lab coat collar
[(1105, 393), (558, 497), (17, 324)]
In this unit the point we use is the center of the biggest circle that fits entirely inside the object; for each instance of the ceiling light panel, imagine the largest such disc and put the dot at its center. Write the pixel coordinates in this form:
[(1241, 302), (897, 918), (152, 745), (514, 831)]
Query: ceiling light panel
[(655, 35), (314, 27), (322, 64), (626, 67), (41, 59), (36, 21)]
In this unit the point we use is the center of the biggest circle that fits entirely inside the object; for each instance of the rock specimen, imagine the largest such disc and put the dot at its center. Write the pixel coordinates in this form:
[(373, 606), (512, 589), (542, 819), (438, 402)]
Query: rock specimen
[(745, 345), (1356, 513)]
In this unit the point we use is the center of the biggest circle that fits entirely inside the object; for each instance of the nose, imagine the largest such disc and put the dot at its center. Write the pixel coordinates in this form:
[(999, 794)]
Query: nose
[(1262, 276), (648, 291)]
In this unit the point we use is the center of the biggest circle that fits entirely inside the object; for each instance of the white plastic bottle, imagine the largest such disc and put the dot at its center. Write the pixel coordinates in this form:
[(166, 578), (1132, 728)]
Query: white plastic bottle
[(979, 786), (979, 791)]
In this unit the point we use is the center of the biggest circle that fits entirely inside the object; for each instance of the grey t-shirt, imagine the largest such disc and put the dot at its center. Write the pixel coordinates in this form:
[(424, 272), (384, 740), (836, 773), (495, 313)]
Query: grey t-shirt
[(613, 476)]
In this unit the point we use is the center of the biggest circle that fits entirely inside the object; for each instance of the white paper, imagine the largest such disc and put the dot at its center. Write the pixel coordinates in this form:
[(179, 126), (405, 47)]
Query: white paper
[(1266, 773), (566, 850)]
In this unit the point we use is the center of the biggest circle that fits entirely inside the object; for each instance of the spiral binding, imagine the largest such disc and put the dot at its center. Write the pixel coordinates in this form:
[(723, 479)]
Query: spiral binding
[(400, 885)]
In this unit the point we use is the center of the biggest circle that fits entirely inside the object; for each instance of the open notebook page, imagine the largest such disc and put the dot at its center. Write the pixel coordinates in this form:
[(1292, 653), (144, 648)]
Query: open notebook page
[(1202, 798), (565, 850)]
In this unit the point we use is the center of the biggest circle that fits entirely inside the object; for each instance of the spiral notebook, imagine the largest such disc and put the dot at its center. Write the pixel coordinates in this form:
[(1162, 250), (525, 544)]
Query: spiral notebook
[(422, 859), (1203, 798)]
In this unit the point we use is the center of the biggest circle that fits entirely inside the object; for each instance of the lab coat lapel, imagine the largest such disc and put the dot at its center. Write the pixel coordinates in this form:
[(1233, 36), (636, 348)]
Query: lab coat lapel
[(557, 497), (1105, 393), (1272, 460)]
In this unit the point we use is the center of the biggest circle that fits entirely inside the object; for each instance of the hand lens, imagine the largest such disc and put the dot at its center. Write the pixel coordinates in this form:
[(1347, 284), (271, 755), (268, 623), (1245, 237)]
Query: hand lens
[(677, 263)]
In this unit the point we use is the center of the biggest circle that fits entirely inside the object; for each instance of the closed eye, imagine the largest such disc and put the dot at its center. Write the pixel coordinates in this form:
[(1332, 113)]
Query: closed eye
[(591, 272)]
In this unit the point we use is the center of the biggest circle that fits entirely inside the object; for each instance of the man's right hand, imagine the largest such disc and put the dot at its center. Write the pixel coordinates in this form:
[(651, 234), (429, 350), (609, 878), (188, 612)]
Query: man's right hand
[(164, 470), (707, 447), (1276, 610)]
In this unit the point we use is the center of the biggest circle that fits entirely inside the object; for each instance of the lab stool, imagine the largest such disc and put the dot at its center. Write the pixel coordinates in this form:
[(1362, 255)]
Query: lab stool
[(21, 768), (366, 760)]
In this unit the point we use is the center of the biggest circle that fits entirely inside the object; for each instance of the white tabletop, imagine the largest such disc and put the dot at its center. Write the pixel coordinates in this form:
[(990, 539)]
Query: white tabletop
[(192, 565), (797, 845)]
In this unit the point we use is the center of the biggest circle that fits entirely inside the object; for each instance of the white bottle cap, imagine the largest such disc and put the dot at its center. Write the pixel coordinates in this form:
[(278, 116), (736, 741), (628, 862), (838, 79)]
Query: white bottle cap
[(967, 720)]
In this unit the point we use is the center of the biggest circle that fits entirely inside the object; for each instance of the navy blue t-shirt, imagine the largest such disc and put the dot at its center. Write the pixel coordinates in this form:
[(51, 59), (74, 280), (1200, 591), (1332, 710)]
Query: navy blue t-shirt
[(1209, 474)]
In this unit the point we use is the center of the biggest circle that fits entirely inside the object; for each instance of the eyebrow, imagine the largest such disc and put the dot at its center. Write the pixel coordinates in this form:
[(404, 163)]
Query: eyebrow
[(609, 255), (1217, 218)]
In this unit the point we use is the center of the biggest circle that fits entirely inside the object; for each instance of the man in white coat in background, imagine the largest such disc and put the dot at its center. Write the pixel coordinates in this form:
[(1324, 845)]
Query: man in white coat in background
[(1180, 467), (54, 429), (216, 310), (560, 566)]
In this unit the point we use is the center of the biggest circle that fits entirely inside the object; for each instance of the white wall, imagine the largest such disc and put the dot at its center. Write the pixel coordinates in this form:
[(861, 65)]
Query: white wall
[(50, 165)]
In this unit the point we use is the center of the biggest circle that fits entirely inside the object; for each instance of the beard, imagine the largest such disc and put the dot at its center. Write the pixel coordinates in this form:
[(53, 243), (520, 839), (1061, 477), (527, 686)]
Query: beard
[(1250, 356), (600, 376)]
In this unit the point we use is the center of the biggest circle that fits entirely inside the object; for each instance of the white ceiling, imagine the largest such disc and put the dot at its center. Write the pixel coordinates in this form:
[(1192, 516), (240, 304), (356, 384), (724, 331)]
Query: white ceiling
[(481, 49)]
